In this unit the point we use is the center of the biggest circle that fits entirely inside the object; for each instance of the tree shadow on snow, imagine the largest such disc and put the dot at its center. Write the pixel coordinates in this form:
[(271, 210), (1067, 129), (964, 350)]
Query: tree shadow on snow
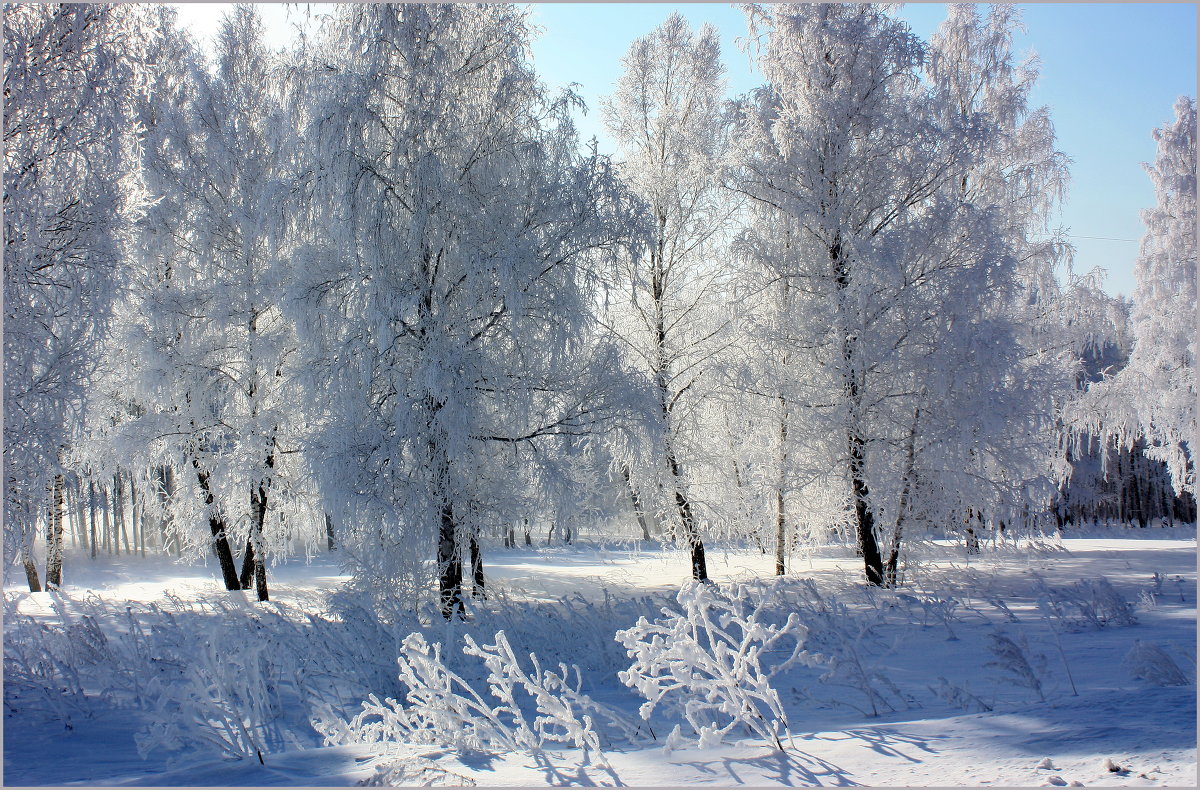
[(792, 768), (577, 775), (883, 741)]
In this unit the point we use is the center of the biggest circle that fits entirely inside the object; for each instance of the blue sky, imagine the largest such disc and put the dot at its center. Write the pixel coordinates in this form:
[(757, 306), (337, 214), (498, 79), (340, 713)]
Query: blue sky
[(1110, 74)]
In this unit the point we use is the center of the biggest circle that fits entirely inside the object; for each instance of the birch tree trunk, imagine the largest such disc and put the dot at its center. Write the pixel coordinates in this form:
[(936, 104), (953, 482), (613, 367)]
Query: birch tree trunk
[(79, 518), (92, 514), (780, 512), (31, 573), (216, 524), (636, 501), (54, 536), (902, 506), (449, 566)]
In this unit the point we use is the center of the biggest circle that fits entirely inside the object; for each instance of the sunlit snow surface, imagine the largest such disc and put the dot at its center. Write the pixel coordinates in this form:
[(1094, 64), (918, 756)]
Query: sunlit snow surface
[(1146, 732)]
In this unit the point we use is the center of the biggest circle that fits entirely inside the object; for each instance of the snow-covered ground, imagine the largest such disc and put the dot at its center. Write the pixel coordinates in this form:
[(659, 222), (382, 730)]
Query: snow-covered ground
[(952, 707)]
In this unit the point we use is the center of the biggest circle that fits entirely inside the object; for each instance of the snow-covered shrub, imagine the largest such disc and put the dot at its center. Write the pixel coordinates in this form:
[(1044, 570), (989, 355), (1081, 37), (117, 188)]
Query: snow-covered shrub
[(222, 702), (1001, 606), (1149, 597), (1086, 604), (564, 714), (1015, 660), (1101, 605), (704, 663), (942, 606), (1149, 662), (1156, 585), (197, 676), (1147, 600), (443, 709), (69, 663), (363, 637), (959, 696), (41, 661)]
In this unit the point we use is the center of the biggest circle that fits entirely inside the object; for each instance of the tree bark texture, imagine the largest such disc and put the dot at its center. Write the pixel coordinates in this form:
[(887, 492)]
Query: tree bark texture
[(92, 513), (864, 516), (258, 509), (893, 558), (780, 511), (450, 572), (636, 501), (216, 523), (478, 589), (54, 536), (31, 572)]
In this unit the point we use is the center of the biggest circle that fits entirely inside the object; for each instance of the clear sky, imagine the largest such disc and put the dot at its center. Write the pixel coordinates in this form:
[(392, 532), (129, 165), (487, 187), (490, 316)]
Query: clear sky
[(1110, 73)]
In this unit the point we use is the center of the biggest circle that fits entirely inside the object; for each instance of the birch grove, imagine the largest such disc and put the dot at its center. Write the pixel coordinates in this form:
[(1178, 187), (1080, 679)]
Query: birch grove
[(369, 293)]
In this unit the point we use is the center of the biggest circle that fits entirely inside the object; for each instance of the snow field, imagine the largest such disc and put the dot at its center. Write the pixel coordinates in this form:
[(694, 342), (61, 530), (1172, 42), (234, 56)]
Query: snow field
[(939, 683)]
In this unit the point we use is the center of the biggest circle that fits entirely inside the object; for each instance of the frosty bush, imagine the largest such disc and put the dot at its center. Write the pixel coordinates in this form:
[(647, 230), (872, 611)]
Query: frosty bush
[(565, 714), (443, 709), (1014, 658), (704, 663), (943, 607), (1149, 662), (46, 662), (1086, 604), (415, 772), (959, 696), (223, 700), (215, 678)]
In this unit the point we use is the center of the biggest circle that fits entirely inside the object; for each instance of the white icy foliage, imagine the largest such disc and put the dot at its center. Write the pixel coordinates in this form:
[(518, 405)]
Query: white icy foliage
[(555, 699), (72, 194), (1016, 660), (441, 708), (444, 292), (705, 663), (223, 703), (1149, 662), (1154, 396), (212, 353), (1043, 316), (667, 301), (879, 271)]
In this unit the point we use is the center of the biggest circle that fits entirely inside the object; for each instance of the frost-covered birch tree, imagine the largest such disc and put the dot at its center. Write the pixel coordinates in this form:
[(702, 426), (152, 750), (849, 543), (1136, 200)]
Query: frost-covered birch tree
[(72, 193), (1055, 316), (879, 271), (1154, 396), (447, 286), (214, 364), (669, 120)]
